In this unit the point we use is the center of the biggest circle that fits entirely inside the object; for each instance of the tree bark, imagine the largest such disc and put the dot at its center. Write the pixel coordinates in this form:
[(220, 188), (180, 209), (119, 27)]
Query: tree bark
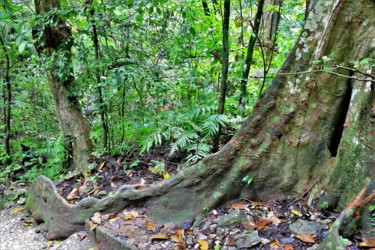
[(56, 42), (284, 144), (224, 71), (270, 25)]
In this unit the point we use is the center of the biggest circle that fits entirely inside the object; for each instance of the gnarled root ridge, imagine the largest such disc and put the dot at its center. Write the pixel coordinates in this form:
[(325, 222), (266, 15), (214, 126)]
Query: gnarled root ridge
[(176, 199)]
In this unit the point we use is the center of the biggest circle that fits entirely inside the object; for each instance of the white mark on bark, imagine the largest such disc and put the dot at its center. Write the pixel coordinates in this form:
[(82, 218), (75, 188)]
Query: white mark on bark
[(325, 22), (293, 89)]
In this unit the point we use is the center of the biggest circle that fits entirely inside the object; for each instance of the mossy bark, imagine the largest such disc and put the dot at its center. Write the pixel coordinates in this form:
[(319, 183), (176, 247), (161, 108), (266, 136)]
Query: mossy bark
[(56, 42)]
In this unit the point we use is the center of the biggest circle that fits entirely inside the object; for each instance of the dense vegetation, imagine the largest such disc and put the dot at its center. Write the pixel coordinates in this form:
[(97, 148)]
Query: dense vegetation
[(147, 73)]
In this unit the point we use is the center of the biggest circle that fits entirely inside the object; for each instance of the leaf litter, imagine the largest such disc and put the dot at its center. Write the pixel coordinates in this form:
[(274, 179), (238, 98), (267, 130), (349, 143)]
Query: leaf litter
[(271, 220)]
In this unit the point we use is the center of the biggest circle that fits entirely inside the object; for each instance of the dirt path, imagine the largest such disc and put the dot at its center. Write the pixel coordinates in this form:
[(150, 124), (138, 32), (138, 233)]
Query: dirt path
[(18, 231)]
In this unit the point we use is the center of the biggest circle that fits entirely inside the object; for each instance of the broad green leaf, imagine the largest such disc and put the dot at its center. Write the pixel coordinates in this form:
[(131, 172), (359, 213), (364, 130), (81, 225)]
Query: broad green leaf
[(5, 15), (21, 48)]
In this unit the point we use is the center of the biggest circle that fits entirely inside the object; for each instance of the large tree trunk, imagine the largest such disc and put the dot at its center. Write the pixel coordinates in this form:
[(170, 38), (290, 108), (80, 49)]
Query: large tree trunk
[(308, 125), (56, 41)]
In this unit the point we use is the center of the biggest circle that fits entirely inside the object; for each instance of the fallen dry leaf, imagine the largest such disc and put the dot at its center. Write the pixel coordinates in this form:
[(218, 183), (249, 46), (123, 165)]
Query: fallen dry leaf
[(203, 244), (368, 243), (239, 205), (295, 212), (129, 215), (249, 224), (28, 223), (179, 238), (96, 218), (288, 247), (92, 225), (72, 195), (113, 217), (119, 162), (159, 236), (274, 244), (308, 238), (101, 166), (150, 226), (262, 223), (257, 203), (17, 209)]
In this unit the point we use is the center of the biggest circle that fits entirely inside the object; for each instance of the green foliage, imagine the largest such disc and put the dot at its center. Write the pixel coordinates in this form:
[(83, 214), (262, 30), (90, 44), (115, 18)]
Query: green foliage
[(158, 168), (324, 205), (372, 212), (159, 64), (247, 179)]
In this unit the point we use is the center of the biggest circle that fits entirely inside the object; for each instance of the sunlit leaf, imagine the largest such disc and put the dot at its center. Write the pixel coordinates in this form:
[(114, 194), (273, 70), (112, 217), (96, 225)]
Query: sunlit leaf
[(288, 247), (295, 212), (92, 225), (101, 166), (368, 243), (159, 236), (96, 218), (308, 238), (203, 244), (129, 215), (21, 48), (17, 209), (150, 226), (239, 205), (72, 195)]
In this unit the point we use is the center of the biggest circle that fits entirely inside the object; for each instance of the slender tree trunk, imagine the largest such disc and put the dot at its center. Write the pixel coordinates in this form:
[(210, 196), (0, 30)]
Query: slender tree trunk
[(249, 55), (102, 105), (224, 71), (56, 43), (7, 101), (270, 25)]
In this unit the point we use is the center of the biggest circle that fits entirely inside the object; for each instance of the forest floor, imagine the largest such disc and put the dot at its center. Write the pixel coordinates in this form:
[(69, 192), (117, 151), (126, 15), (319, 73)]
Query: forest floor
[(293, 223)]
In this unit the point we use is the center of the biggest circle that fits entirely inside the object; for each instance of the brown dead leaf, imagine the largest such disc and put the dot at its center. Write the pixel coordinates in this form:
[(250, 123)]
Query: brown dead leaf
[(113, 217), (368, 243), (150, 226), (101, 166), (257, 203), (119, 162), (96, 218), (262, 223), (249, 224), (274, 244), (179, 238), (203, 244), (159, 236), (17, 209), (239, 205), (72, 195), (308, 238), (288, 247), (129, 215), (92, 225)]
